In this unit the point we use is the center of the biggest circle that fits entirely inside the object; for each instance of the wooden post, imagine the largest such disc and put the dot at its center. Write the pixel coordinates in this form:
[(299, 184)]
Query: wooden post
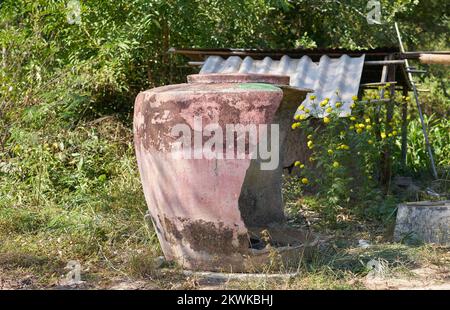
[(386, 159), (378, 108), (404, 129)]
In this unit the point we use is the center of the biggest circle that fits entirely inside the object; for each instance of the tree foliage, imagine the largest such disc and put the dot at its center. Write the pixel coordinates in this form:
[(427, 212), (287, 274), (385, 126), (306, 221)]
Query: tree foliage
[(56, 74)]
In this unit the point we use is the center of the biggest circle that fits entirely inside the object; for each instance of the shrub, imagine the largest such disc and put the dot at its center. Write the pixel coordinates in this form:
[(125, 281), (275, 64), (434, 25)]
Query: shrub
[(344, 168)]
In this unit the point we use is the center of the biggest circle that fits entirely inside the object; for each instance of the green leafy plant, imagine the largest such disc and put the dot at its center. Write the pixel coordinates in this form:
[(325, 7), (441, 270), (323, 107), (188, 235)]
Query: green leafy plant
[(344, 166)]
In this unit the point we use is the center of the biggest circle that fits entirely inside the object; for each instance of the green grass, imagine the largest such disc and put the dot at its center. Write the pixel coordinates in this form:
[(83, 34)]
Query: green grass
[(83, 202)]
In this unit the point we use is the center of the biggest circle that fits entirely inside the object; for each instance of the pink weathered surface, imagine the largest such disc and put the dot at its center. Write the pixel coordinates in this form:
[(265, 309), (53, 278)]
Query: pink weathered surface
[(238, 78), (194, 203)]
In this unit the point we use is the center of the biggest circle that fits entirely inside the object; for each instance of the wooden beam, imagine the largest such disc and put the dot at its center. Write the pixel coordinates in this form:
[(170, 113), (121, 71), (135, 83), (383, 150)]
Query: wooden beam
[(196, 63), (383, 62), (202, 53), (377, 84)]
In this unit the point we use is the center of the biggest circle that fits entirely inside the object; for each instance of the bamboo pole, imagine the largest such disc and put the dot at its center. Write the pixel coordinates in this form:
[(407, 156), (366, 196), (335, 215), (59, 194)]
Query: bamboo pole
[(419, 108), (435, 59)]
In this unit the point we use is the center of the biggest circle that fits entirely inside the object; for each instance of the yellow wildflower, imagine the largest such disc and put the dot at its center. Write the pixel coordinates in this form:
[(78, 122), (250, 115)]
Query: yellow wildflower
[(326, 120), (342, 147), (354, 98), (352, 118), (370, 141), (368, 120), (329, 110), (335, 164), (338, 104), (310, 144), (305, 181), (309, 137), (359, 130), (383, 135), (312, 97), (297, 163), (330, 152)]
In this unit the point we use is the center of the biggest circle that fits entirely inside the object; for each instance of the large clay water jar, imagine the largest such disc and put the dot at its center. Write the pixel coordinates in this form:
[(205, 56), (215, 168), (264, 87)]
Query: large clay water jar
[(208, 212)]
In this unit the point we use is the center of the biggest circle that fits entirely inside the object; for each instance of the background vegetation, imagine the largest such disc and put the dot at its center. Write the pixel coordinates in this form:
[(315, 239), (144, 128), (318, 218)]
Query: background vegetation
[(69, 187)]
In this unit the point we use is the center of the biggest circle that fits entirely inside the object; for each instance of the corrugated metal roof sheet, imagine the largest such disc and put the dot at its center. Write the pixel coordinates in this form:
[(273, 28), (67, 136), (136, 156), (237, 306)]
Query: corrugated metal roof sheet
[(334, 78)]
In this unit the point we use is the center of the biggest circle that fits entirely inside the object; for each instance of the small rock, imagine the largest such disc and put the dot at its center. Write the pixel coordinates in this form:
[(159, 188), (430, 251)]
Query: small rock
[(376, 268), (159, 261), (363, 244), (26, 281)]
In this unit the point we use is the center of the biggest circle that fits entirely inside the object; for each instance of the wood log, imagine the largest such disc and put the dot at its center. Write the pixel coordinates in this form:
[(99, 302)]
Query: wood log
[(435, 59), (425, 221)]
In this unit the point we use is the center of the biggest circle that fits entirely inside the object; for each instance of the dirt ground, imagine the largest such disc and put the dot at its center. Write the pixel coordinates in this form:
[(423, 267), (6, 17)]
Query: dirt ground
[(422, 278)]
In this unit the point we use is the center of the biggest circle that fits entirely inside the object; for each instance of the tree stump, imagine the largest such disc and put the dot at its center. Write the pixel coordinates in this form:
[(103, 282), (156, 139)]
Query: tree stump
[(427, 221)]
